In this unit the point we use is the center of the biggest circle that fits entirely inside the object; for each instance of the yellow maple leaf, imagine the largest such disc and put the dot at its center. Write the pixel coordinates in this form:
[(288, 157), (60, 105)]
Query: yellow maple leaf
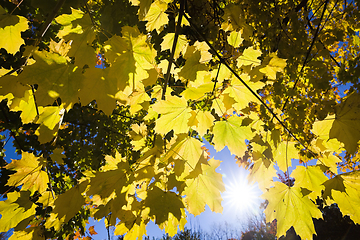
[(275, 65), (17, 208), (156, 16), (291, 209), (249, 57), (230, 133), (235, 39), (11, 27), (205, 189), (29, 173), (175, 114), (181, 44)]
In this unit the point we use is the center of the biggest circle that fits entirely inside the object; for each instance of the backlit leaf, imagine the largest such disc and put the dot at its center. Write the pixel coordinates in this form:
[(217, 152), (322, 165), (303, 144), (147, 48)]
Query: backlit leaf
[(230, 133)]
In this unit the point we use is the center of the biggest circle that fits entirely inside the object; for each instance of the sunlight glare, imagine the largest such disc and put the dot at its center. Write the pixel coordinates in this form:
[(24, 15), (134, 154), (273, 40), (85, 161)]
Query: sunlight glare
[(243, 198)]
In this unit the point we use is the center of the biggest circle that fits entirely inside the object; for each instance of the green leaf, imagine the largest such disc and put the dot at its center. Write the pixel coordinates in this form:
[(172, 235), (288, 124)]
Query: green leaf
[(230, 133)]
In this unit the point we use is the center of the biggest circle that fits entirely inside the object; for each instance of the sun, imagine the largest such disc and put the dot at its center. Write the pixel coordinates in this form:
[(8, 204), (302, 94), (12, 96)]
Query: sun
[(242, 197)]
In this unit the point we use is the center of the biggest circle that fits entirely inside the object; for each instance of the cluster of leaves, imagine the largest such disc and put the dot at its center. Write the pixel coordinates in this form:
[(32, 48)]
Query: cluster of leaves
[(124, 142)]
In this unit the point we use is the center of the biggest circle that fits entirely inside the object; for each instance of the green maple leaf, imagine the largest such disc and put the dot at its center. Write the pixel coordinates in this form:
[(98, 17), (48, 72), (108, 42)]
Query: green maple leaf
[(11, 27), (156, 16), (78, 28), (175, 114), (29, 173), (291, 209), (162, 203), (16, 209), (205, 189), (230, 133), (61, 212), (240, 93), (311, 178)]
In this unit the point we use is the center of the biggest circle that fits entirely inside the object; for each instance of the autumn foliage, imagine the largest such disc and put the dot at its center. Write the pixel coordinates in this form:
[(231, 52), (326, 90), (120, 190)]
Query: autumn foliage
[(276, 82)]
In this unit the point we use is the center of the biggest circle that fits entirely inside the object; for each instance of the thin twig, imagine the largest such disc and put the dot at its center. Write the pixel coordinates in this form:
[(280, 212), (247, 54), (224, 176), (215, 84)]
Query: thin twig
[(307, 54), (16, 7), (177, 31)]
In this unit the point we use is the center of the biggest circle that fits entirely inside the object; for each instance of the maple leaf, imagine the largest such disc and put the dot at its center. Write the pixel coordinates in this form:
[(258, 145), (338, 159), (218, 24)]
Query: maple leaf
[(35, 233), (205, 189), (192, 64), (99, 85), (172, 224), (156, 16), (344, 190), (181, 44), (291, 209), (92, 230), (11, 27), (16, 209), (205, 121), (275, 65), (144, 6), (235, 39), (230, 133), (29, 173), (62, 213), (27, 107), (78, 28), (249, 57), (174, 115), (131, 56), (162, 203), (55, 78), (240, 93), (283, 154), (311, 178)]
